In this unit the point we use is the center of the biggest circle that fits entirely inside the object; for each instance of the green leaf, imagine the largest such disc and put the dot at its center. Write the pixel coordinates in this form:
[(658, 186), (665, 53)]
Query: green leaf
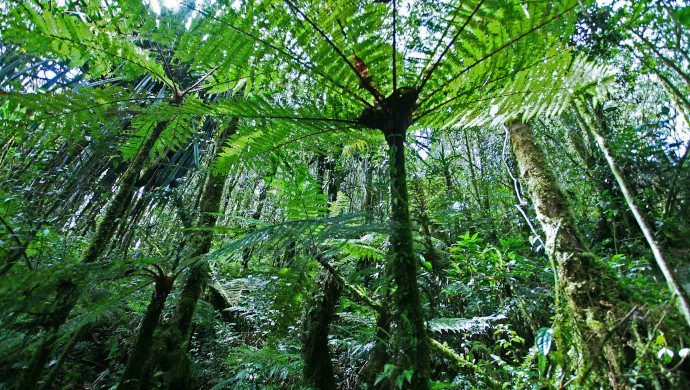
[(543, 340)]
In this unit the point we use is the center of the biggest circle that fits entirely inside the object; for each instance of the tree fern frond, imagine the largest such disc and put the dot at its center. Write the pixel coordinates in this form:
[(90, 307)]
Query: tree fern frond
[(299, 195), (542, 90), (67, 35)]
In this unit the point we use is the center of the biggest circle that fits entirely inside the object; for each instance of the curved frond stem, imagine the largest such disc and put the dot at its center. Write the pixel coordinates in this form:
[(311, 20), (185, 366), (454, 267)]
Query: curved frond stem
[(450, 44), (305, 136), (166, 64), (199, 81), (300, 118), (500, 96), (161, 77), (340, 53), (499, 49), (293, 58)]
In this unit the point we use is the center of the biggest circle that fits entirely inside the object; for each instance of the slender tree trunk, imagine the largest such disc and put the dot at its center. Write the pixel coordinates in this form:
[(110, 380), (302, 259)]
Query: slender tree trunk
[(177, 364), (132, 376), (412, 341), (380, 354), (104, 232), (589, 296), (318, 368), (671, 279)]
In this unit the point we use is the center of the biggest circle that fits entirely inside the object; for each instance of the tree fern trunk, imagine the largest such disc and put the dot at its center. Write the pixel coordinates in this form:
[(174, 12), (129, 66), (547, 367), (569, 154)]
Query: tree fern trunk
[(589, 296), (177, 364), (412, 342), (104, 232)]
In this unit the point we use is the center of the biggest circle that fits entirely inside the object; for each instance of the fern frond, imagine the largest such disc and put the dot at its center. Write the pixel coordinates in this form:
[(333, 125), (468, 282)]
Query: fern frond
[(464, 325)]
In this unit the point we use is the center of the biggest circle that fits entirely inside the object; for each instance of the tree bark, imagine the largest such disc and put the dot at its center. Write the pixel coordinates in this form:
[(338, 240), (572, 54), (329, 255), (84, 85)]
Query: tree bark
[(318, 368), (589, 296), (411, 341), (132, 376)]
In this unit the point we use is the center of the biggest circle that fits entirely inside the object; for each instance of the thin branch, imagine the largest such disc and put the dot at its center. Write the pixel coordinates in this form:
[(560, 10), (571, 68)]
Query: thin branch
[(450, 44)]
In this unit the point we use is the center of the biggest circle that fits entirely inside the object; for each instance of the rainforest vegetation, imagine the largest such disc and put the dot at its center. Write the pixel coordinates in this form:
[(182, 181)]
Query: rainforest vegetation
[(329, 194)]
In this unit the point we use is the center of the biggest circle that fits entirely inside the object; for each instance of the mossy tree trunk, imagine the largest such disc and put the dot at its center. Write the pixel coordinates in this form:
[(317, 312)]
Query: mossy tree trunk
[(589, 296), (176, 363), (318, 368), (132, 376), (411, 341), (67, 298)]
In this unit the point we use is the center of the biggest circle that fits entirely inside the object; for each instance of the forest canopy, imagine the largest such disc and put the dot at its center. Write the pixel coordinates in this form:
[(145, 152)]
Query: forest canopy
[(363, 194)]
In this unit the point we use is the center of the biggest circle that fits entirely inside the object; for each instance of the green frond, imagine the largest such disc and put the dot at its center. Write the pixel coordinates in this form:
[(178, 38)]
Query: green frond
[(72, 36), (299, 195), (464, 325), (544, 89)]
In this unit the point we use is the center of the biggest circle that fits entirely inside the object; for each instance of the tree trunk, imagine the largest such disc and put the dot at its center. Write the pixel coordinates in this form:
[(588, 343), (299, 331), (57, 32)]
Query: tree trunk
[(671, 279), (132, 376), (104, 232), (411, 341), (177, 364), (589, 297), (380, 353), (318, 368)]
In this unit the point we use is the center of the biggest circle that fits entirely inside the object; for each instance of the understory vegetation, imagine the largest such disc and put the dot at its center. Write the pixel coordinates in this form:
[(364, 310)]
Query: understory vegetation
[(364, 194)]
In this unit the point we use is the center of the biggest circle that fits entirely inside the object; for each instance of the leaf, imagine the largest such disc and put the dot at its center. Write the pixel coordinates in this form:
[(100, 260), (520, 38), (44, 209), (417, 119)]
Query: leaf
[(683, 16), (543, 340), (665, 355), (457, 325)]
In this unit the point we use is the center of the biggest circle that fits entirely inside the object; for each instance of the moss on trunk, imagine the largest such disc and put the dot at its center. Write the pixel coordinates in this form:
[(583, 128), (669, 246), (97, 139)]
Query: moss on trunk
[(104, 232), (176, 363), (132, 376), (318, 368), (589, 296), (411, 342)]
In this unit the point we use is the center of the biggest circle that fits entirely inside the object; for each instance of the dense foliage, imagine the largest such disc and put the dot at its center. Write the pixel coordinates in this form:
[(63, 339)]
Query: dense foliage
[(344, 194)]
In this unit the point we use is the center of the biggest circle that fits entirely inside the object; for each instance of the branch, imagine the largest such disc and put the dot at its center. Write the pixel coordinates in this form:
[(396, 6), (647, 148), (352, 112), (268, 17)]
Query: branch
[(462, 364), (360, 296)]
